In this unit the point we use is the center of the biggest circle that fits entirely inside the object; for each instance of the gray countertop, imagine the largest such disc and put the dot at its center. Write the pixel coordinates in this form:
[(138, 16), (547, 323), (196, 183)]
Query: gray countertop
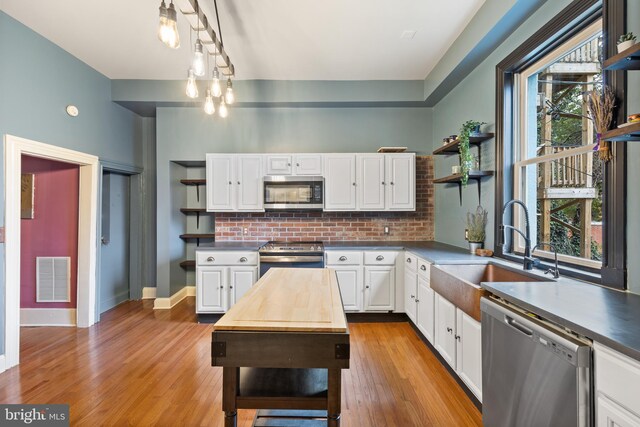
[(232, 246), (604, 315), (434, 252)]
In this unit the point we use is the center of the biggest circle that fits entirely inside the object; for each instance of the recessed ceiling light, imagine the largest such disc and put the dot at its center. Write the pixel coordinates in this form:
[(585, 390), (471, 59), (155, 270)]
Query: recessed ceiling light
[(72, 110), (408, 34)]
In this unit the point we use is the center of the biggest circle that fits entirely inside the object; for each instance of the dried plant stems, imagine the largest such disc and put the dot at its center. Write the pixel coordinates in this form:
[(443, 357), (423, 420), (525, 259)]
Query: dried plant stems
[(601, 104), (476, 223)]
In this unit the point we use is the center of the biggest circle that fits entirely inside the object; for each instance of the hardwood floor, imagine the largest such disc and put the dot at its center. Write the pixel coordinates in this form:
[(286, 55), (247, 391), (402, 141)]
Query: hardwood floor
[(140, 366)]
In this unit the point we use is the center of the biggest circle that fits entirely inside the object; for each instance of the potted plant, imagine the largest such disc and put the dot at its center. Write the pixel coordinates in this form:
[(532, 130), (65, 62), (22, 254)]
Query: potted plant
[(626, 41), (476, 224), (466, 159)]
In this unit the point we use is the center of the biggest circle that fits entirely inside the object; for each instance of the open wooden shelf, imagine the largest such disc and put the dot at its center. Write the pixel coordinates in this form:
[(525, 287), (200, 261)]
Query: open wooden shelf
[(188, 263), (454, 147), (628, 59), (193, 181), (191, 236), (457, 178), (626, 133), (188, 211)]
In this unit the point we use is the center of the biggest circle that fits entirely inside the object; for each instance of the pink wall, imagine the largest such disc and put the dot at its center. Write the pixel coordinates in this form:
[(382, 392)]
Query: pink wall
[(54, 229)]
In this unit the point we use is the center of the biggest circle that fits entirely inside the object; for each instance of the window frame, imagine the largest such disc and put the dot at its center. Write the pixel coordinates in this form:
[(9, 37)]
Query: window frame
[(576, 17)]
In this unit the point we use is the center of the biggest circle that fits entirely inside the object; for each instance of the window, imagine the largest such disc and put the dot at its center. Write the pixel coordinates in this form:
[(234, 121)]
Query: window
[(556, 172), (555, 36)]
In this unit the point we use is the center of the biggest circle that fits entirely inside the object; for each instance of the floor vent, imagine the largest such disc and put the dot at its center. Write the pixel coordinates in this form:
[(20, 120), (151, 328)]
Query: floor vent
[(53, 279)]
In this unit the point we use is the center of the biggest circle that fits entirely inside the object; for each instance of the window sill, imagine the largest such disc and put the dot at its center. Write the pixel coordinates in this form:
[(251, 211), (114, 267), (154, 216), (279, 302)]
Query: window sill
[(586, 275)]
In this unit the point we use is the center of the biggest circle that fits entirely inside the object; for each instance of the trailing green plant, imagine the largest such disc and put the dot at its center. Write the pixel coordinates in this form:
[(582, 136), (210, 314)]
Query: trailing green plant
[(626, 37), (476, 224), (466, 159)]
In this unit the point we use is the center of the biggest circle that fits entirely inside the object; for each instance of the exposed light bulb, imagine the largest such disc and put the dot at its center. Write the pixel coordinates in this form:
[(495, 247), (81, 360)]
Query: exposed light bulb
[(216, 90), (222, 110), (229, 95), (163, 25), (198, 59), (172, 37), (209, 106), (192, 87)]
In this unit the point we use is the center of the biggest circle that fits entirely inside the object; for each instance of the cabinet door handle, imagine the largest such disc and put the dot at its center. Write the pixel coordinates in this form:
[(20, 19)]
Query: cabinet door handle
[(221, 286), (367, 286), (382, 182), (409, 260), (379, 257), (297, 164), (230, 183), (342, 258), (288, 164), (238, 182), (391, 183), (449, 330), (243, 259), (457, 337), (413, 296), (211, 259), (354, 184), (417, 300), (423, 267)]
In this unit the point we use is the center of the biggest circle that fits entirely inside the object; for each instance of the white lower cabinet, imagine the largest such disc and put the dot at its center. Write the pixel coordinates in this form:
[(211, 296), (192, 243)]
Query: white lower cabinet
[(411, 294), (425, 309), (458, 339), (350, 283), (222, 278), (445, 328), (367, 280), (210, 294), (469, 352), (617, 384)]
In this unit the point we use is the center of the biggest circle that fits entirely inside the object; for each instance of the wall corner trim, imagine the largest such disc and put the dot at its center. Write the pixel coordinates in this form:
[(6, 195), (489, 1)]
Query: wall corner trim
[(149, 292), (168, 303)]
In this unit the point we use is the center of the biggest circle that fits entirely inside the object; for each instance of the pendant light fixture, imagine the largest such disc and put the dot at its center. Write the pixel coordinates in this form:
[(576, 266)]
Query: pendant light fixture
[(168, 27), (223, 111), (216, 90), (209, 106), (229, 96), (198, 59), (192, 86)]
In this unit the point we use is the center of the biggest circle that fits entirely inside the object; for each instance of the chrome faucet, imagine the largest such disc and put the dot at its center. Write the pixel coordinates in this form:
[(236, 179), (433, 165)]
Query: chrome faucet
[(528, 260), (554, 271)]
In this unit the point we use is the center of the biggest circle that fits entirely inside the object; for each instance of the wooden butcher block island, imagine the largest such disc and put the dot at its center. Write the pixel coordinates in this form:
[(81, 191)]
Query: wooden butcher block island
[(282, 347)]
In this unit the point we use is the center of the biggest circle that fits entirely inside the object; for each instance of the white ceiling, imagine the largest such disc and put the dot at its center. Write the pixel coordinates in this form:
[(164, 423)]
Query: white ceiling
[(266, 39)]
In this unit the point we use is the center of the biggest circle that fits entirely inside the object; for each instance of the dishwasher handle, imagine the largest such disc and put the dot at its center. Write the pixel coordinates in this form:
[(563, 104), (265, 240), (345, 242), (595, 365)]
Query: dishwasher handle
[(515, 325)]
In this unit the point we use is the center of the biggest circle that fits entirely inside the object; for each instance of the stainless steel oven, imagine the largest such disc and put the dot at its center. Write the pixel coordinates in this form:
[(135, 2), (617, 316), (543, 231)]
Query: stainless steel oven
[(293, 192), (291, 255)]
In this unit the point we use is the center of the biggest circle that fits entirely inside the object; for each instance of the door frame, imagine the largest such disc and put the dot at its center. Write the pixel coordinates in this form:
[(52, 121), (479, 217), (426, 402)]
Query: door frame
[(136, 199), (14, 148)]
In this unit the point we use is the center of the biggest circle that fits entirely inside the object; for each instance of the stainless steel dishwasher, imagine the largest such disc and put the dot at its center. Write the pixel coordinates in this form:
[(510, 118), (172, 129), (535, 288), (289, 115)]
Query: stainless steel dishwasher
[(532, 373)]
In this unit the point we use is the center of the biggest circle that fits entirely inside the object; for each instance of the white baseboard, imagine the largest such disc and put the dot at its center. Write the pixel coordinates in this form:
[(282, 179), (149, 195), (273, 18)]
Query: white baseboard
[(149, 292), (3, 366), (167, 303), (48, 317)]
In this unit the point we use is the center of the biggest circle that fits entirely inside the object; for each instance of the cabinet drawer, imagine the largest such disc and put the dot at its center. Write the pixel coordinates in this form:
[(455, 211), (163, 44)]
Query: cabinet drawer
[(618, 376), (343, 257), (227, 258), (424, 269), (410, 261), (380, 257)]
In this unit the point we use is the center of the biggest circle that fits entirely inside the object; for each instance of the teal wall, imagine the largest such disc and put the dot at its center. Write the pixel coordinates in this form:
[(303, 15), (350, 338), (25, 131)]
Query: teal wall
[(474, 98), (37, 81), (188, 134)]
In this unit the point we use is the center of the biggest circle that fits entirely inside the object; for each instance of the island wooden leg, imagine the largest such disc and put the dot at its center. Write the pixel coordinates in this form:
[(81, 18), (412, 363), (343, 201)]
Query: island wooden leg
[(230, 379), (334, 397)]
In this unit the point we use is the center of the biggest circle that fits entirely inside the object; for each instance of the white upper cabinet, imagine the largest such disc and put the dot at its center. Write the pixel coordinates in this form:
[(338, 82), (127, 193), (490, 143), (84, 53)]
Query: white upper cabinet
[(249, 183), (371, 184), (278, 164), (340, 182), (234, 182), (400, 181), (307, 164), (221, 191)]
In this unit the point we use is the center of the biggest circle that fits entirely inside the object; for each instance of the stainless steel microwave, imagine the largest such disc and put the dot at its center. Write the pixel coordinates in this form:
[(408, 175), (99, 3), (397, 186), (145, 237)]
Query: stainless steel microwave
[(293, 192)]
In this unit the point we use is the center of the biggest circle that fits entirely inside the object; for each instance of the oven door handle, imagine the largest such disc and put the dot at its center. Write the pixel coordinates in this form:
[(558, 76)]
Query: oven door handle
[(298, 258)]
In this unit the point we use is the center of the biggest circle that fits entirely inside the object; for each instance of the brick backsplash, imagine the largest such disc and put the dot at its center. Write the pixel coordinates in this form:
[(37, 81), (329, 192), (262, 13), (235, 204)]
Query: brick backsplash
[(335, 226)]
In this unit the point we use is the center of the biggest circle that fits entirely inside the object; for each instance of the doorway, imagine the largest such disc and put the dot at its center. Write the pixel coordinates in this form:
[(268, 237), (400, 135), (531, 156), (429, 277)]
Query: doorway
[(15, 147)]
